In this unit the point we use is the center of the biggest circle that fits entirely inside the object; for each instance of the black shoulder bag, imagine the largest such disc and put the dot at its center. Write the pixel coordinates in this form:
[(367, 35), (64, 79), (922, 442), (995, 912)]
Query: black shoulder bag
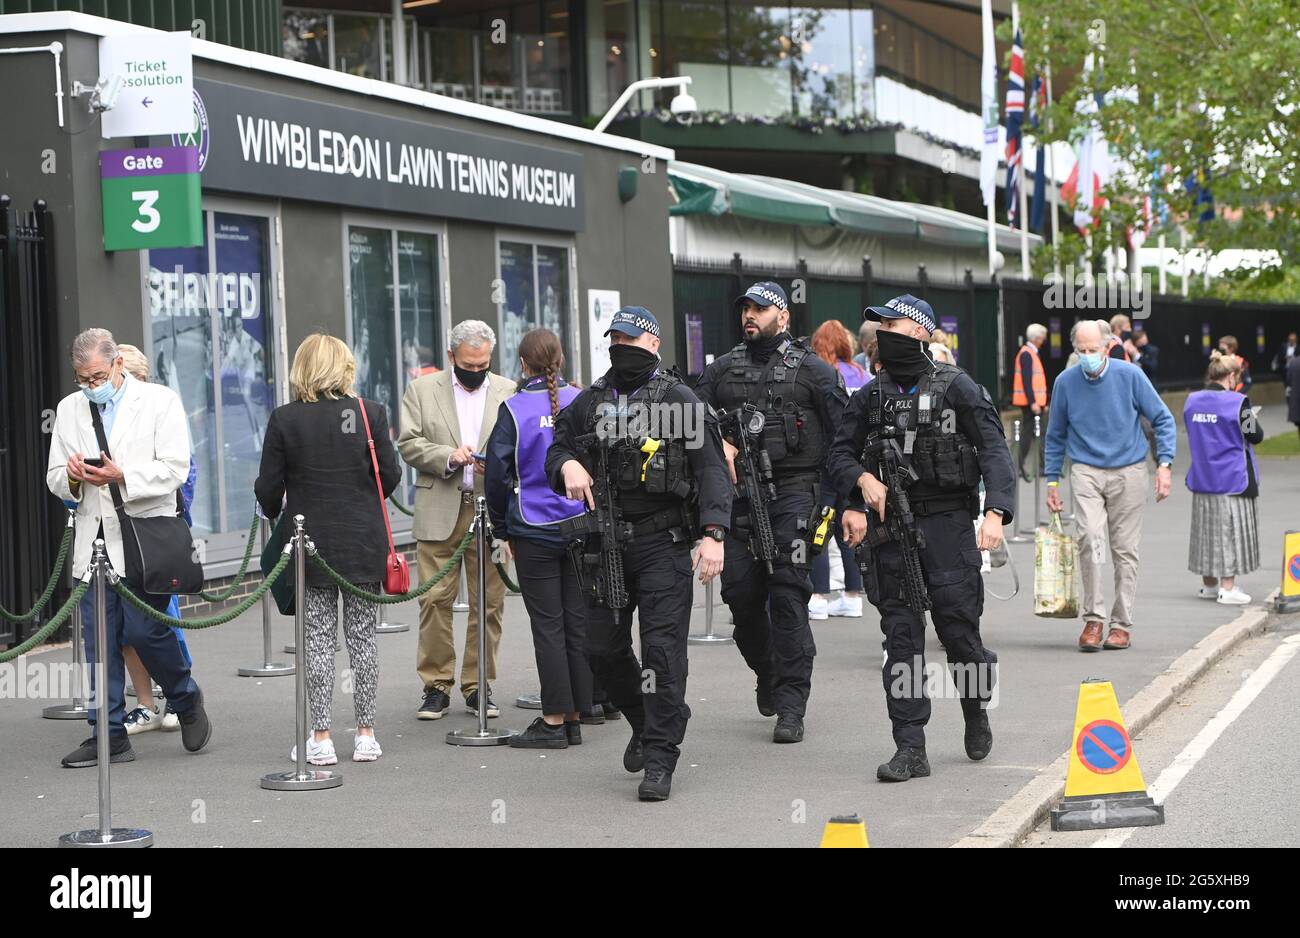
[(159, 551)]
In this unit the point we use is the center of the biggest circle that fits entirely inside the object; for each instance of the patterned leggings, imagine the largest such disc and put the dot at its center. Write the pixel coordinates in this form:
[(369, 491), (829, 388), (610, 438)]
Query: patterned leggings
[(359, 634)]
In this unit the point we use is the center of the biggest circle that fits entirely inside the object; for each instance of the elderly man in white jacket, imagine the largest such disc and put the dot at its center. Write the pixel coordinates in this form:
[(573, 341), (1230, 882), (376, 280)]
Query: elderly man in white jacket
[(149, 458)]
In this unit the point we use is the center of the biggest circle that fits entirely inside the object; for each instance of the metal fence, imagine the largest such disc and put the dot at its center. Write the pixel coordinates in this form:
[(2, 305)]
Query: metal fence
[(29, 519)]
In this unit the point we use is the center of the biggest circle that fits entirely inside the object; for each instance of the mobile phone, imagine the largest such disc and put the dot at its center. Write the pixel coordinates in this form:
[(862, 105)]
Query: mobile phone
[(481, 457), (96, 461)]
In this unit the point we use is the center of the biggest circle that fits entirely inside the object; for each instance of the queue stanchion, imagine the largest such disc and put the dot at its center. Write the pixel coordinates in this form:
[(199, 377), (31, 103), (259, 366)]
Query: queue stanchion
[(267, 668), (106, 835), (707, 637), (302, 778), (76, 708), (481, 736), (1017, 535), (1038, 472)]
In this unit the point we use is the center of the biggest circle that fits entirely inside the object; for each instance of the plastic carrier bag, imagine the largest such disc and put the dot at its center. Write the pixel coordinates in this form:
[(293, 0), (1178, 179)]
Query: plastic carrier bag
[(1056, 572)]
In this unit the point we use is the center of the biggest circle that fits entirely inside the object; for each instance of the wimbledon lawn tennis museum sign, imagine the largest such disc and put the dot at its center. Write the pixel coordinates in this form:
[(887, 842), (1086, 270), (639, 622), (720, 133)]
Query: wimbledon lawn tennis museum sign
[(271, 144)]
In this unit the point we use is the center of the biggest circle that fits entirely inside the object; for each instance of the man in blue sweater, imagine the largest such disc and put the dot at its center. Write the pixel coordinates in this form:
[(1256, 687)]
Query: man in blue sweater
[(1096, 420)]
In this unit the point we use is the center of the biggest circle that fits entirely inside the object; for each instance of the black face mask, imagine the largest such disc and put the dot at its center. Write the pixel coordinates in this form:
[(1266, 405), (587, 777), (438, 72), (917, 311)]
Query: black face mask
[(763, 346), (470, 380), (631, 366), (902, 356)]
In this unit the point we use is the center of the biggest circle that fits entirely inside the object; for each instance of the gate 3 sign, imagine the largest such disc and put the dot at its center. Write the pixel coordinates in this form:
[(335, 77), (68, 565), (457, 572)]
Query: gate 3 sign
[(151, 198)]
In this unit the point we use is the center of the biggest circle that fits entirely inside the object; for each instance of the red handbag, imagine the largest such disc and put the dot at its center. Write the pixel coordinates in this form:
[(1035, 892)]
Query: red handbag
[(397, 576)]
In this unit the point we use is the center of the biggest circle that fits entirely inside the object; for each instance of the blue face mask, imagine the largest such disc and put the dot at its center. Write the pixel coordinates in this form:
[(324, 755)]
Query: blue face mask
[(102, 394), (1091, 362)]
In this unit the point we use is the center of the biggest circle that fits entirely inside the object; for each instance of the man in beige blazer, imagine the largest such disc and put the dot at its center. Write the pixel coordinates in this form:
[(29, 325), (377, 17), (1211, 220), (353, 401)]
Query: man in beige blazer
[(447, 418)]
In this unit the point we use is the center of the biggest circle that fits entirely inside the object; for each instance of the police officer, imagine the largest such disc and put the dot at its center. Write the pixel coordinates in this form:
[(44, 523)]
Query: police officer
[(802, 399), (672, 480), (950, 435)]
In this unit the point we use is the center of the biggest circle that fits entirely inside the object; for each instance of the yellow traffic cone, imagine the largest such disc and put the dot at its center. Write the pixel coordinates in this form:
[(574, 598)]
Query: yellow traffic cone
[(1104, 786), (848, 831)]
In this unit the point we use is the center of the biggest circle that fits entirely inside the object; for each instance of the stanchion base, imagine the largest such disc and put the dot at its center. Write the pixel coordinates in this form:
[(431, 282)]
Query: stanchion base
[(475, 738), (311, 780), (704, 638), (388, 628), (460, 607), (117, 837), (274, 669), (529, 701), (65, 712), (1019, 539)]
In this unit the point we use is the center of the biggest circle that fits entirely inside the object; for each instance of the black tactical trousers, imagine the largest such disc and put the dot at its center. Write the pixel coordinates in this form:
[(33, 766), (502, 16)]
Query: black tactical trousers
[(658, 575), (770, 611), (951, 563)]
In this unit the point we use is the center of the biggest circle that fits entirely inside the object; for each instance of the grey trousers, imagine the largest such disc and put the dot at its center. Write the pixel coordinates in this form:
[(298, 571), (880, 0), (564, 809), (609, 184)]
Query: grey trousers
[(1108, 508)]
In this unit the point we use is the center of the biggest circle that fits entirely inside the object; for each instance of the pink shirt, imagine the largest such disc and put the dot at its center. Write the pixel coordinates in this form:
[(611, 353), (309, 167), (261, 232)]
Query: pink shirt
[(470, 406)]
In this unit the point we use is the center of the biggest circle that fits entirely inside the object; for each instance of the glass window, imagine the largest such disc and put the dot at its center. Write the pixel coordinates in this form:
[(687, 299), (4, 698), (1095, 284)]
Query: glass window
[(612, 50), (536, 294), (822, 59), (689, 37), (394, 342), (763, 52), (304, 37), (357, 45), (213, 343)]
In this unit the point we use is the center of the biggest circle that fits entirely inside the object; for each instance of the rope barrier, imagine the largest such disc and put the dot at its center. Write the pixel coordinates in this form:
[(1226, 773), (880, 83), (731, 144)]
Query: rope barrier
[(49, 587), (39, 637), (222, 595), (505, 578), (385, 598), (228, 616), (409, 512)]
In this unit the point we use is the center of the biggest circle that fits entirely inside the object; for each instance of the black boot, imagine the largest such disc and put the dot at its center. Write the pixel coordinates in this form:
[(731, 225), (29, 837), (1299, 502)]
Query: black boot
[(763, 694), (789, 729), (908, 762), (979, 735), (634, 755), (656, 786)]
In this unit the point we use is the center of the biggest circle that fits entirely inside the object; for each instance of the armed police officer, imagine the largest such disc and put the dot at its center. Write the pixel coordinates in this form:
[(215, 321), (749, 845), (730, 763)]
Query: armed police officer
[(912, 451), (779, 405), (644, 453)]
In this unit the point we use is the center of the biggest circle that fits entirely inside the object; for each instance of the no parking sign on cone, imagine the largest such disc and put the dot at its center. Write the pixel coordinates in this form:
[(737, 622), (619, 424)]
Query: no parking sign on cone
[(1104, 786)]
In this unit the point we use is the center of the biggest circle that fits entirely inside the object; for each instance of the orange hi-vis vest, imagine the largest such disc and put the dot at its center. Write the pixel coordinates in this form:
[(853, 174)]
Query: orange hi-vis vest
[(1018, 396)]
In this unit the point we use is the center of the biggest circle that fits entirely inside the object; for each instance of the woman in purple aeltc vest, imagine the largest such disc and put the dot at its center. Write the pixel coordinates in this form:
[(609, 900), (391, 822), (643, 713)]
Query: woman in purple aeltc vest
[(1224, 480), (525, 514)]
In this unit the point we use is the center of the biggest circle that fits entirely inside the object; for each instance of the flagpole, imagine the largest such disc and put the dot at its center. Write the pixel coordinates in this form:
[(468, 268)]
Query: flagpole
[(1055, 186), (1164, 276), (1024, 175), (988, 98)]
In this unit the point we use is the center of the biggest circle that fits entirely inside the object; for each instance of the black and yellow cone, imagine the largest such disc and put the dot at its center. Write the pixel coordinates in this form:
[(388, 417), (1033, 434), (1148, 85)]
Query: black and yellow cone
[(847, 831), (1104, 786)]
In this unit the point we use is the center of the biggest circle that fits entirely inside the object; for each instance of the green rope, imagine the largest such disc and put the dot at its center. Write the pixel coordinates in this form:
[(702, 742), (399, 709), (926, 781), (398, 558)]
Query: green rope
[(505, 578), (49, 587), (410, 512), (385, 598), (229, 615), (49, 628), (223, 595)]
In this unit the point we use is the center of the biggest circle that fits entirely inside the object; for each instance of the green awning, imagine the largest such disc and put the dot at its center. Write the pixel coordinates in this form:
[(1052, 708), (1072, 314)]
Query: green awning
[(743, 195), (850, 211)]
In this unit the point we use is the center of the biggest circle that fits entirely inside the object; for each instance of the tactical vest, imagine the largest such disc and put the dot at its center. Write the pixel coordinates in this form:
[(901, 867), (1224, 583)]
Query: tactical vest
[(652, 473), (793, 436), (944, 461)]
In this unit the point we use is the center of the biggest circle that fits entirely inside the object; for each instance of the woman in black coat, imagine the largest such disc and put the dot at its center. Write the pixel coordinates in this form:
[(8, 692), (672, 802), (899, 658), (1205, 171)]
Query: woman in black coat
[(316, 463)]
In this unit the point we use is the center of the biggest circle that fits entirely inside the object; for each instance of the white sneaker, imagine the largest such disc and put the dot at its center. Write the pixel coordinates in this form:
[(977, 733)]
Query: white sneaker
[(1208, 592), (318, 753), (170, 721), (141, 720), (1233, 597), (817, 608), (847, 606), (366, 749)]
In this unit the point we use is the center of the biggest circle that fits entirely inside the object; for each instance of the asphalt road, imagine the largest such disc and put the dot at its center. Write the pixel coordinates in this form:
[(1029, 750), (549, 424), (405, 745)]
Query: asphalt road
[(734, 787)]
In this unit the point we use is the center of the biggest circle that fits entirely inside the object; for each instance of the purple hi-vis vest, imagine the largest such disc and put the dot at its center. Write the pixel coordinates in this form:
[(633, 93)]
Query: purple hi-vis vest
[(1219, 451), (531, 410)]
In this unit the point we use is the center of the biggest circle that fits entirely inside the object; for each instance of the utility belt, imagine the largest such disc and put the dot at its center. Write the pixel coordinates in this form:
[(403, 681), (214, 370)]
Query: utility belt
[(799, 482), (937, 504), (678, 519)]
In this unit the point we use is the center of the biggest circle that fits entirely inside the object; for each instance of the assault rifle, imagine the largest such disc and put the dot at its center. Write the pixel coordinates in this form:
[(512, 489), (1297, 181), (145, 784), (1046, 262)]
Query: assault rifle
[(899, 522), (744, 426), (606, 523)]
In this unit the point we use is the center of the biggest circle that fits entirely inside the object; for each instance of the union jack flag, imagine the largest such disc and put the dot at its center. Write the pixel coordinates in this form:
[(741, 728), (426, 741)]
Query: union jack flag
[(1015, 119)]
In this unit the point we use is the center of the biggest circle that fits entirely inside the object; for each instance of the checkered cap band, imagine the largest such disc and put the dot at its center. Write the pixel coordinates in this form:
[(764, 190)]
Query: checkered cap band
[(914, 313), (773, 299), (645, 325)]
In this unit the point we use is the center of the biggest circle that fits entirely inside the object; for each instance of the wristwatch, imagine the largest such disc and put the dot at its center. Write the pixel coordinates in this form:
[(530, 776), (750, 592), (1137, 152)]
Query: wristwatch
[(996, 511), (715, 533), (1165, 465)]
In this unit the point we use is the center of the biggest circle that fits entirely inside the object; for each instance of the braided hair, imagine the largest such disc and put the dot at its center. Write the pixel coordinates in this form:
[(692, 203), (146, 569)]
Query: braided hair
[(540, 349)]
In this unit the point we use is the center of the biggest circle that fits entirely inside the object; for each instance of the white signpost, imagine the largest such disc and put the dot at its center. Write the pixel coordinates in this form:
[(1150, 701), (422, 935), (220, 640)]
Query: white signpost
[(157, 84), (601, 307)]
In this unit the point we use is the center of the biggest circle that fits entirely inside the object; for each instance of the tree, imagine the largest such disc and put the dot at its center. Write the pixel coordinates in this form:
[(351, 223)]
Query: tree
[(1189, 86)]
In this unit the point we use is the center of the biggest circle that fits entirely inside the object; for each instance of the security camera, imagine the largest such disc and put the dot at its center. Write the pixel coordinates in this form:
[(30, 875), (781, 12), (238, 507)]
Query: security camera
[(103, 93), (683, 107)]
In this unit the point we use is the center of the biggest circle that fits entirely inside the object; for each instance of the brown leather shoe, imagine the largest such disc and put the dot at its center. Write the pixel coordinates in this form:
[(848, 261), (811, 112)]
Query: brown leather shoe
[(1090, 637), (1116, 638)]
